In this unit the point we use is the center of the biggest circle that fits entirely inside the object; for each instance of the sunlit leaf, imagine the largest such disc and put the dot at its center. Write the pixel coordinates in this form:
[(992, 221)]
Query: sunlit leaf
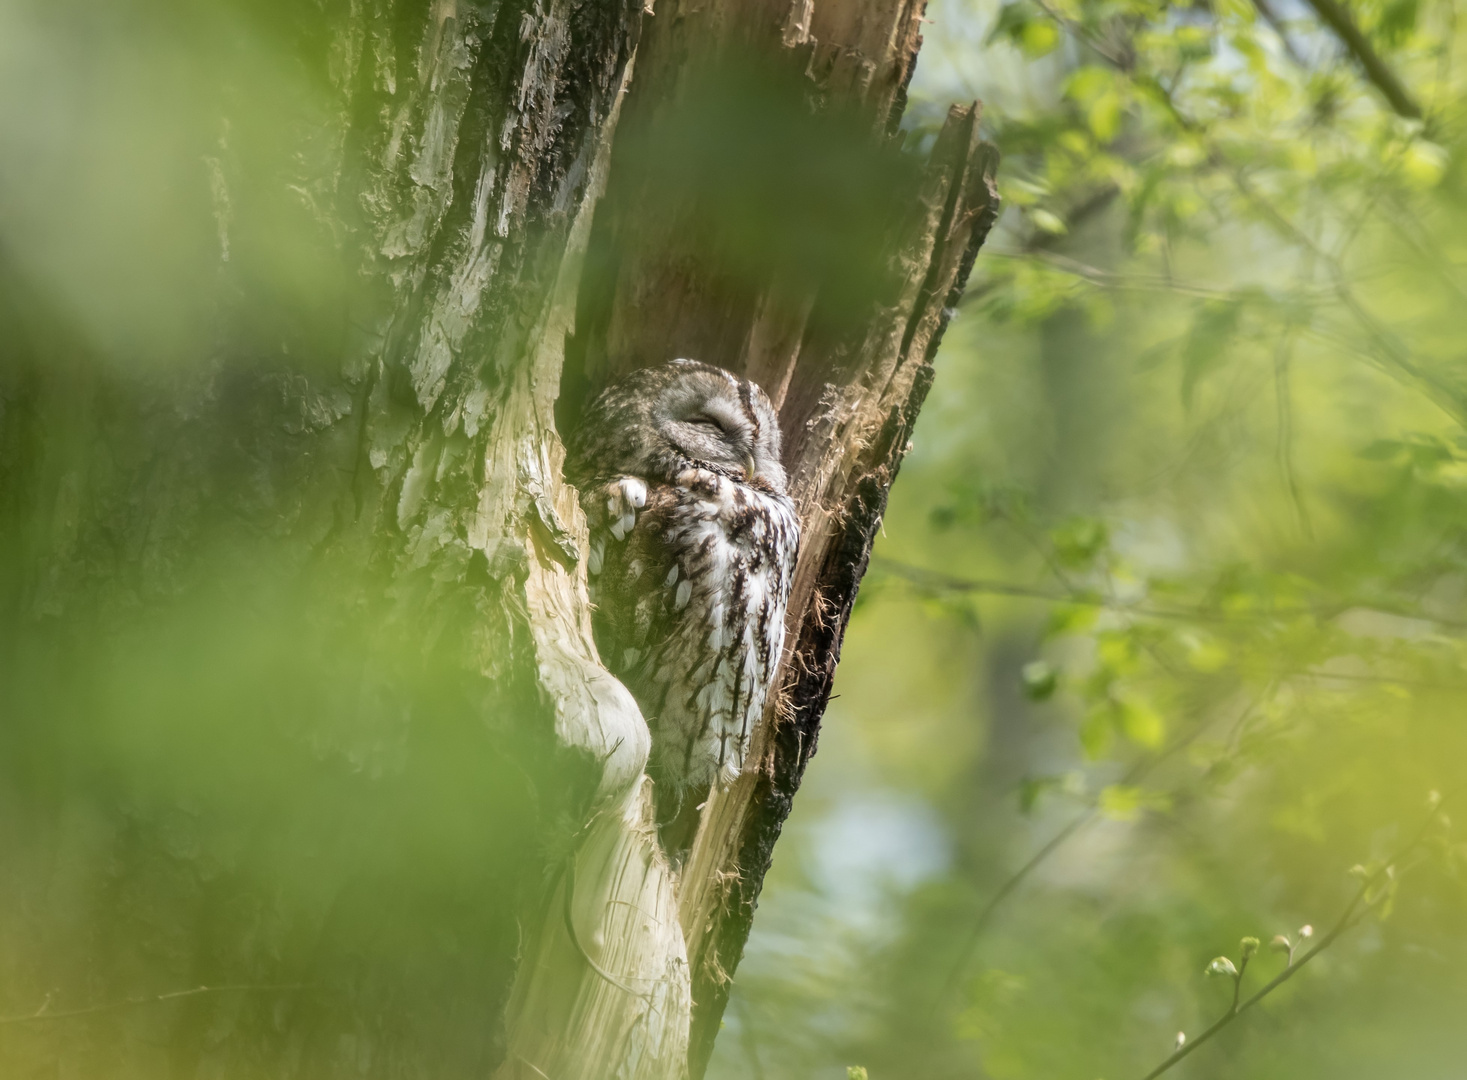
[(1038, 38), (1141, 723)]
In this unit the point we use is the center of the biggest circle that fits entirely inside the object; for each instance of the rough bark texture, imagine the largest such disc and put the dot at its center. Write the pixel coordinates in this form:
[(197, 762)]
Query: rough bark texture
[(847, 363), (319, 587), (350, 516)]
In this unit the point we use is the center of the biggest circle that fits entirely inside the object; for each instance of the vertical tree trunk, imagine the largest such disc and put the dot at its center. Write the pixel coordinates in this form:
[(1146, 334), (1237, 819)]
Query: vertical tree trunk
[(845, 355), (316, 765)]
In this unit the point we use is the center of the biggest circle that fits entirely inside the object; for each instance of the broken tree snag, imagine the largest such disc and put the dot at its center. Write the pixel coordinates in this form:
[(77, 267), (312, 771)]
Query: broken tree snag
[(870, 431), (323, 570), (761, 214)]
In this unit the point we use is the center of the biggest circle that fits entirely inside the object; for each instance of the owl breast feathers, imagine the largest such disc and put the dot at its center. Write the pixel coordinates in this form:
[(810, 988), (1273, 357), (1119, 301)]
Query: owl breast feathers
[(693, 543)]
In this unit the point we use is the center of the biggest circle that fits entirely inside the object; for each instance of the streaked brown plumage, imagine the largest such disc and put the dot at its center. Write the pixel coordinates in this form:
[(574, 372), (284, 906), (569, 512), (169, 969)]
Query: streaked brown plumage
[(693, 543)]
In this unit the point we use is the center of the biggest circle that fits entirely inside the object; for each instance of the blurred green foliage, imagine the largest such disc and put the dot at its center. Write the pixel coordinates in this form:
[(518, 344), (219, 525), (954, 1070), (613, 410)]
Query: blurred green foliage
[(1167, 630), (262, 808), (1165, 634)]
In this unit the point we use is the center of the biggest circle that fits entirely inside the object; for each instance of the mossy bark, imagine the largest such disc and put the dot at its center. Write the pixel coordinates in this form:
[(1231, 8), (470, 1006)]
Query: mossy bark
[(312, 768)]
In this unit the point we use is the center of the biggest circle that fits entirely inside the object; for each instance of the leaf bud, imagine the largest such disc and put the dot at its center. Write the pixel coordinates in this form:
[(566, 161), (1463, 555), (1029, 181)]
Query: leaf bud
[(1221, 965)]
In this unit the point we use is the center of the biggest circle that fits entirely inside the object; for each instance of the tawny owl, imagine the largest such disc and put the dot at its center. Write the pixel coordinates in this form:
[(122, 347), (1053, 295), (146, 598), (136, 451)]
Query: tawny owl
[(693, 541)]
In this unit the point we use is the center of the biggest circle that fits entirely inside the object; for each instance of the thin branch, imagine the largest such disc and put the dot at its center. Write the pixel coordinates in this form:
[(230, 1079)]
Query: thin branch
[(1111, 279), (1351, 916), (1337, 18), (1265, 8), (1138, 771), (1124, 60), (936, 581), (1284, 403), (1004, 891), (1386, 351), (45, 1012)]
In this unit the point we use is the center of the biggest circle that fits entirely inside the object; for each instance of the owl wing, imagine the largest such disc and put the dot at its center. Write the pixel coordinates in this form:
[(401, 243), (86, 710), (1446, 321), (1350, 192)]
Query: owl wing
[(628, 566), (690, 591)]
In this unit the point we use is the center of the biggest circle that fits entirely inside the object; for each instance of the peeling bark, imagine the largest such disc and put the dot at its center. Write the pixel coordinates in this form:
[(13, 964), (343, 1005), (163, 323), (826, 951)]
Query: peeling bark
[(354, 511), (366, 467), (848, 376)]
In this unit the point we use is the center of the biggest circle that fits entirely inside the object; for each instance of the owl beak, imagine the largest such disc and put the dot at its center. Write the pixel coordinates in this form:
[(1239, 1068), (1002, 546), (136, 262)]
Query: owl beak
[(749, 466)]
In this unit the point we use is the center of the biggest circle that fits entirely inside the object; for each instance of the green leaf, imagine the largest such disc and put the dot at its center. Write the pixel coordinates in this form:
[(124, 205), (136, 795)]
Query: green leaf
[(1088, 83), (1383, 450), (1038, 38), (1097, 732), (1104, 116), (1125, 802), (1012, 18), (1048, 222), (1079, 541), (1140, 723), (1424, 163), (1204, 654), (1032, 788), (1066, 619), (1040, 680), (1397, 20)]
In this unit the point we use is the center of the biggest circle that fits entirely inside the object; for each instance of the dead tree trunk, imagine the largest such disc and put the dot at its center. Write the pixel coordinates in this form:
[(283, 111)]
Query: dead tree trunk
[(844, 345), (313, 768)]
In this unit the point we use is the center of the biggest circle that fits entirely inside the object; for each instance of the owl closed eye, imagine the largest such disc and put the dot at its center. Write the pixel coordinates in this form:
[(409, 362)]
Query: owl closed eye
[(693, 542)]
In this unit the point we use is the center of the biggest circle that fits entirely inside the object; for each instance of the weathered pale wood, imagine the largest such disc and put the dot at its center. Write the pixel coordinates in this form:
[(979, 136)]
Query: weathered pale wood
[(454, 171), (389, 453), (848, 385), (603, 988)]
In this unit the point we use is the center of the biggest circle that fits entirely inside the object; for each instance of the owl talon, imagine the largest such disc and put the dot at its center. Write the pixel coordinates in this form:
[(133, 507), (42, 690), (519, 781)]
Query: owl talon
[(624, 498), (634, 491), (710, 443)]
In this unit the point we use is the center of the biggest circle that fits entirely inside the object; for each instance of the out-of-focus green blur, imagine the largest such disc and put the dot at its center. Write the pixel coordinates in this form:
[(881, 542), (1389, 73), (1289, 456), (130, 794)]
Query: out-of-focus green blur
[(1165, 634), (227, 759)]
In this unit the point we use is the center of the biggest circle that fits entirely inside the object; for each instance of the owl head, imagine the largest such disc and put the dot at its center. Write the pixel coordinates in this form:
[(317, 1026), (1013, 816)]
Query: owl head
[(657, 421)]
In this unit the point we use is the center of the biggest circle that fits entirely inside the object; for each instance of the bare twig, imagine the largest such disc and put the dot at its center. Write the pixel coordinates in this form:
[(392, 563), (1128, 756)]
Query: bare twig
[(1004, 891), (1383, 349), (1334, 15), (44, 1012), (1122, 58), (1138, 771), (1284, 403), (1265, 8), (1111, 279), (935, 581), (1360, 905)]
